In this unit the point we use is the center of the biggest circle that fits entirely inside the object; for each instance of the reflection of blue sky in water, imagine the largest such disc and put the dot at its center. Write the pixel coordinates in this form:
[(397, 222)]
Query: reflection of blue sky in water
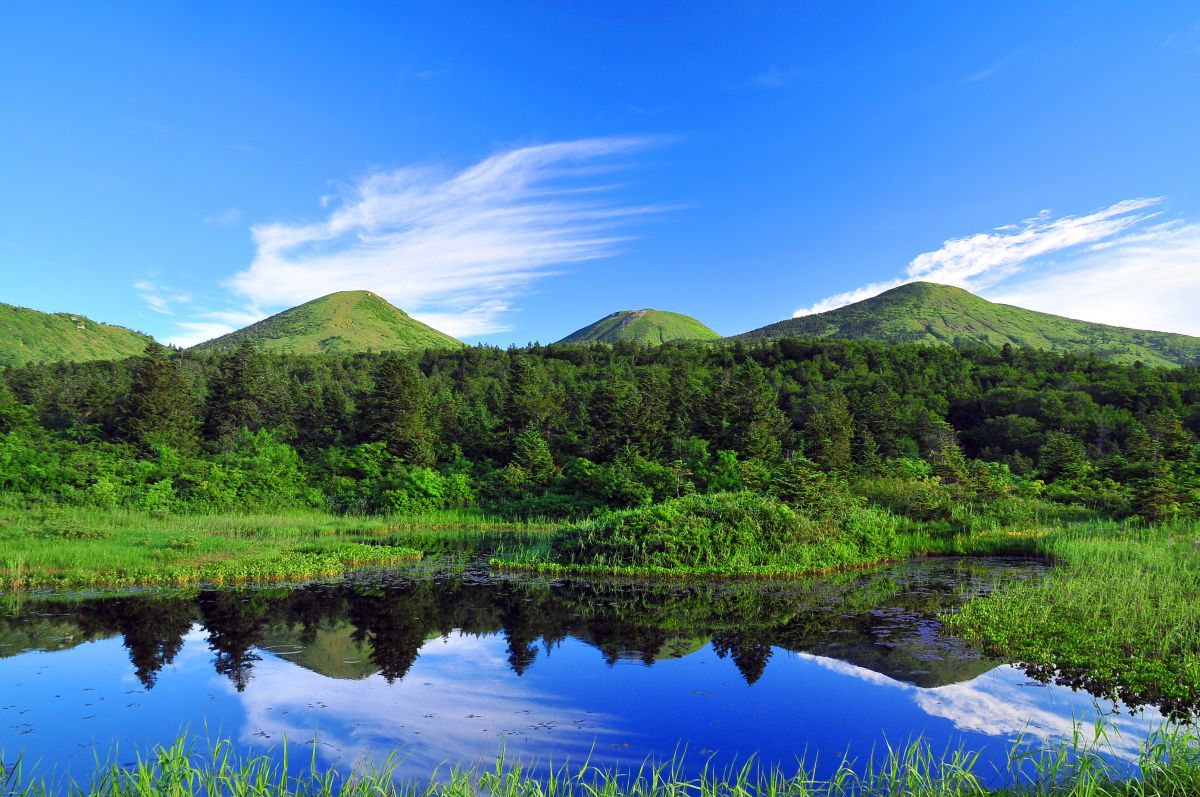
[(461, 702)]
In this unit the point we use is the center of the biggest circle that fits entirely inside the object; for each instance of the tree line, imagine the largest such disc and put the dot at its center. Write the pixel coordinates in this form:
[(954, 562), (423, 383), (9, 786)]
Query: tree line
[(564, 430)]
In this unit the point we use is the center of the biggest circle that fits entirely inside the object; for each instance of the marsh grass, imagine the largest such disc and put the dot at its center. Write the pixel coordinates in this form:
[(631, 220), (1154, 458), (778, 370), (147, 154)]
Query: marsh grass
[(71, 548), (1119, 613), (132, 548), (1168, 765)]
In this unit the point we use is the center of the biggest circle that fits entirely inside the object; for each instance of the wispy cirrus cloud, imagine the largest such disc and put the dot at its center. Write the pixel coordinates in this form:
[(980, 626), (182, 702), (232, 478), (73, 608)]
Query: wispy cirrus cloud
[(194, 321), (1115, 265), (991, 71), (160, 298), (453, 248), (1149, 280)]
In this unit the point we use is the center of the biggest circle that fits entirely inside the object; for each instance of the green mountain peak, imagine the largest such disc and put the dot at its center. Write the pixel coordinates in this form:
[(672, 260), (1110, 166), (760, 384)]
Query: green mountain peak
[(647, 327), (342, 322)]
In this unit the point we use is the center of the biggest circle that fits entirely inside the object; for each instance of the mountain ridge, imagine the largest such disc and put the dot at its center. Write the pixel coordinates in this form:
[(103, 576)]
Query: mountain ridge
[(33, 336), (353, 321), (928, 312)]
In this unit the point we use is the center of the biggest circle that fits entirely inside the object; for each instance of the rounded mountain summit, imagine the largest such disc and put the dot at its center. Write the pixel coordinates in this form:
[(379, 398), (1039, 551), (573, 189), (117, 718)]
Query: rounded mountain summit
[(340, 323), (647, 327)]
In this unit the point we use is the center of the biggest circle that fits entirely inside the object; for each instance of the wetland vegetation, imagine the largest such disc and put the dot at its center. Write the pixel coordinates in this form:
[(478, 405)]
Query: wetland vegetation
[(766, 460)]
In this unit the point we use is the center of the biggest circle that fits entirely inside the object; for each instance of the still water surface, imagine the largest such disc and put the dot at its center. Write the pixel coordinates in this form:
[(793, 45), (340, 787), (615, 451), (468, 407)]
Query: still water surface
[(457, 667)]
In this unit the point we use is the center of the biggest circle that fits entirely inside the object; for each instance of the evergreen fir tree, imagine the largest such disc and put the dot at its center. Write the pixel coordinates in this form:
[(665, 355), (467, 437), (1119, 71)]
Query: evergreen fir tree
[(159, 408), (237, 394), (396, 411)]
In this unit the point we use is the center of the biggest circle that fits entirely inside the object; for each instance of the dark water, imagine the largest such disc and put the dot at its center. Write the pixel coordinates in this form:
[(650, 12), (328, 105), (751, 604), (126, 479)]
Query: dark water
[(456, 667)]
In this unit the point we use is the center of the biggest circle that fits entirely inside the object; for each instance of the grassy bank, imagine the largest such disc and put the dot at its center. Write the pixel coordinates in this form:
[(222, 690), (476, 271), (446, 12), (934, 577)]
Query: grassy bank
[(65, 548), (1119, 613), (1169, 766)]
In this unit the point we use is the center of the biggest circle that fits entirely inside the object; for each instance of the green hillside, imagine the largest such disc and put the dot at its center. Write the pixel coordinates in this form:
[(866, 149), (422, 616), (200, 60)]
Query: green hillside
[(924, 312), (648, 327), (30, 336), (340, 323)]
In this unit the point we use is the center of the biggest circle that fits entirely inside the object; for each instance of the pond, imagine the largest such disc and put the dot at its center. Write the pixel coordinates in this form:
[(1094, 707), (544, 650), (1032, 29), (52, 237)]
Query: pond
[(459, 666)]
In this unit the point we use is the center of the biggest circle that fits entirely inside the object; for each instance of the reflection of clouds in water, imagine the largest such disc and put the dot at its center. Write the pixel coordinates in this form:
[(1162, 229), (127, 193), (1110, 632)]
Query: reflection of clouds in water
[(459, 704), (1004, 702), (851, 670)]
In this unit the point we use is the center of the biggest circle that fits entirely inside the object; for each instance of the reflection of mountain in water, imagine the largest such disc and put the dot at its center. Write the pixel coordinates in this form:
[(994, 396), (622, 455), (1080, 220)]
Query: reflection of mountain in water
[(330, 650), (882, 620), (34, 632)]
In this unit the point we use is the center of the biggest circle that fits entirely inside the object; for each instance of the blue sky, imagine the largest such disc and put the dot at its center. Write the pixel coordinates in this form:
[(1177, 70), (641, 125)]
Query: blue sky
[(510, 172)]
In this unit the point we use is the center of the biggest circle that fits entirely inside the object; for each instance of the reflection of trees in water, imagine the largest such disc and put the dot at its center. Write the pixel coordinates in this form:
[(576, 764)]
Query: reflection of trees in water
[(235, 622), (877, 619), (152, 629), (394, 623), (749, 651)]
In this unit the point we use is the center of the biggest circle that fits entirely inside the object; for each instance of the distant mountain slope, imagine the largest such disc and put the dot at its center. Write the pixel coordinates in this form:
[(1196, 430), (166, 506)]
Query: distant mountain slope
[(925, 312), (30, 336), (648, 327), (344, 322)]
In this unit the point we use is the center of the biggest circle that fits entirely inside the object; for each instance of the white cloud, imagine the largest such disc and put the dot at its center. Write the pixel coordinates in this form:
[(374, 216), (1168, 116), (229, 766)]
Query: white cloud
[(453, 249), (1112, 266), (1003, 702), (987, 257), (460, 703), (1149, 281), (160, 298)]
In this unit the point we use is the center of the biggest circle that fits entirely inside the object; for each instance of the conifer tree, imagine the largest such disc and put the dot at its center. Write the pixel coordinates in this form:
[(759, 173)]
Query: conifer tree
[(1062, 457), (237, 394), (532, 455), (760, 428), (159, 409), (396, 411), (1156, 496), (829, 430), (12, 413)]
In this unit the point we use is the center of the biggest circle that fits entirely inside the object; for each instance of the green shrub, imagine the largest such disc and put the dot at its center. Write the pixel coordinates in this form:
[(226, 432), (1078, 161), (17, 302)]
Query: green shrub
[(724, 532), (925, 499)]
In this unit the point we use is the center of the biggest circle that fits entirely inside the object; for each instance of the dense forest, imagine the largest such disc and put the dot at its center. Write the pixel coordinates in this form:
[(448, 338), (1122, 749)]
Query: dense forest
[(934, 433)]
